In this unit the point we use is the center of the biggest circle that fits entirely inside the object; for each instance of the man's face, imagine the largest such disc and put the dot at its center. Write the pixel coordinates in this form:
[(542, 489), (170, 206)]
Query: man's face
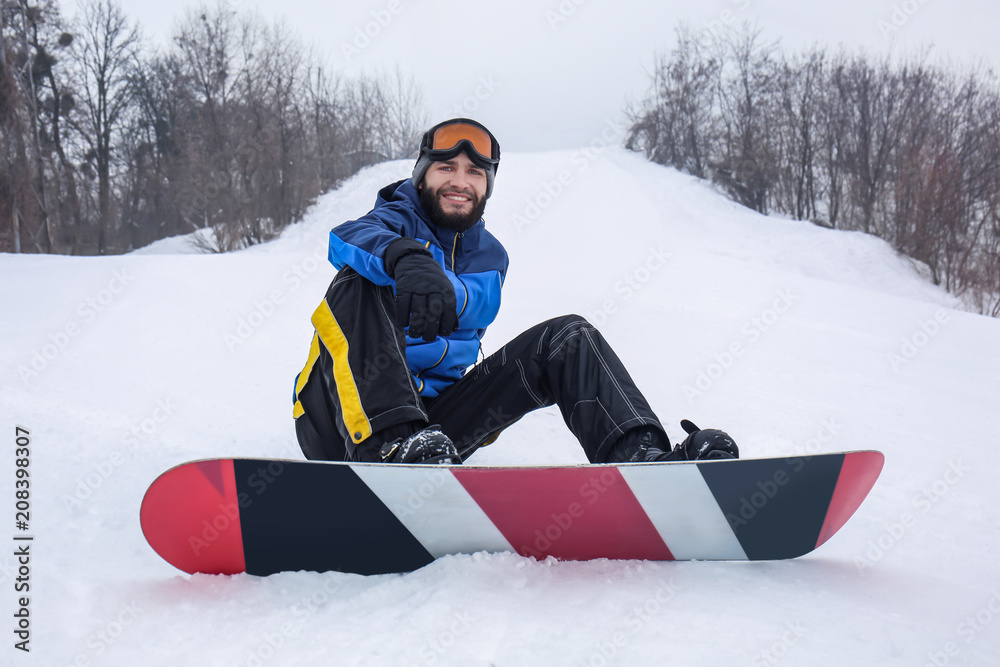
[(453, 192)]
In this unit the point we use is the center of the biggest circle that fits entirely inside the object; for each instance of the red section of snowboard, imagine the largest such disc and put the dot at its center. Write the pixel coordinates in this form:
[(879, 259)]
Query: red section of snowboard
[(857, 477), (190, 516), (569, 513)]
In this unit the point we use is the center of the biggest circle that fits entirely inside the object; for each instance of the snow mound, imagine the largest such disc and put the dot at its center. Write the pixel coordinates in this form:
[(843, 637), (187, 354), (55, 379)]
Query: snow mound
[(793, 338)]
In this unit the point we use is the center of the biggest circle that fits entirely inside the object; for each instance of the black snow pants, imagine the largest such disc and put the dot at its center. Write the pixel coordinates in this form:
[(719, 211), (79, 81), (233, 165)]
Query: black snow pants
[(356, 382)]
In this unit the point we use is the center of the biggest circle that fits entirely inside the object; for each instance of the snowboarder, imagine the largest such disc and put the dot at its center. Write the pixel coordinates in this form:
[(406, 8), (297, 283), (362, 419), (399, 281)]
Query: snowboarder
[(392, 375)]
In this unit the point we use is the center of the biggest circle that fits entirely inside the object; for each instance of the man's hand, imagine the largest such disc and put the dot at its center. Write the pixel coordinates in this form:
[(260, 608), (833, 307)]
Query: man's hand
[(425, 298)]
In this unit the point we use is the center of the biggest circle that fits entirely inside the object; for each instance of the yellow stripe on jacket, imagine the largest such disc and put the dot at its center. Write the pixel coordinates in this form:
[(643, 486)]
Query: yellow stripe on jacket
[(332, 336)]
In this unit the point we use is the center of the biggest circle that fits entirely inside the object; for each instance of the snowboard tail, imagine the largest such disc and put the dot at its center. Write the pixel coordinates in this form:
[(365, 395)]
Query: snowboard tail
[(261, 516)]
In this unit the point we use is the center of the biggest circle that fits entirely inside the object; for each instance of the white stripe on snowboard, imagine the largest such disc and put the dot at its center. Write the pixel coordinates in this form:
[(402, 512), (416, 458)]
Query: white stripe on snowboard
[(435, 508), (684, 511)]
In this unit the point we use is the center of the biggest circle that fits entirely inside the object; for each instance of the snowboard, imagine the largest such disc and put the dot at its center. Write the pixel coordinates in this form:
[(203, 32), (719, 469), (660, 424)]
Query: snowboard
[(261, 516)]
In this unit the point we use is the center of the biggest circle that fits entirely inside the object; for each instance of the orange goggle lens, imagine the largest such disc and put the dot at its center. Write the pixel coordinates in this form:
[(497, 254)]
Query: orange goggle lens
[(449, 136)]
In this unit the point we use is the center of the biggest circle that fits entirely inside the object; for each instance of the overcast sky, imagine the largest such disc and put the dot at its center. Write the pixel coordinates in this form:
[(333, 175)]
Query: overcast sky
[(557, 73)]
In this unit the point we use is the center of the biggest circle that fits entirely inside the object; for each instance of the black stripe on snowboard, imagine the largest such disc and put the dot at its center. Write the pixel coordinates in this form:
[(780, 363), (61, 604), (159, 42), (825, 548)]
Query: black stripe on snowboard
[(303, 516), (776, 507)]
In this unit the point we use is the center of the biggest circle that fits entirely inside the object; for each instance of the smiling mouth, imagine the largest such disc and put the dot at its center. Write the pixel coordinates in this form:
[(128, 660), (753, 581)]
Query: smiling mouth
[(456, 197)]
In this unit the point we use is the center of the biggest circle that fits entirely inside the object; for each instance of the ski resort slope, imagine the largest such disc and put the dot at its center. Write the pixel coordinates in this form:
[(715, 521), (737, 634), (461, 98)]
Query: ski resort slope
[(793, 338)]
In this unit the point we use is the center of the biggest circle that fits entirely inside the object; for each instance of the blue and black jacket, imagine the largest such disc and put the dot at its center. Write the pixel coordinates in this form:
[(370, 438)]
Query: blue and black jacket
[(473, 260)]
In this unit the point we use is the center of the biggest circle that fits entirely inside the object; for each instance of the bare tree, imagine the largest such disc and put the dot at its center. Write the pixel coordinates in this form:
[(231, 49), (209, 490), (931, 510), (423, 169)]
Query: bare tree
[(405, 120), (235, 130), (107, 52), (801, 85), (746, 99), (16, 192), (322, 117), (26, 61), (58, 102), (208, 51), (892, 147), (675, 124), (152, 148)]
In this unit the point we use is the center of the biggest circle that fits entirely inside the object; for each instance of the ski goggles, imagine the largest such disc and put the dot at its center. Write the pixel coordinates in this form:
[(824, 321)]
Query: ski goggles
[(446, 140)]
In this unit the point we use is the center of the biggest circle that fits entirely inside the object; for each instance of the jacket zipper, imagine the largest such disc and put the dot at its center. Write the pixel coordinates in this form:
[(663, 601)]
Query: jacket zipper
[(454, 249), (447, 346)]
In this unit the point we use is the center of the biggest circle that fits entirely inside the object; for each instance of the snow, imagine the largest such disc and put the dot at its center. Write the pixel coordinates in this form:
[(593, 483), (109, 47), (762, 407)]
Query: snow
[(793, 338)]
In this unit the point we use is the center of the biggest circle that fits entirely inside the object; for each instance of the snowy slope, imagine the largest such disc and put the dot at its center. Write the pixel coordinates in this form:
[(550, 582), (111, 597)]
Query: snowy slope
[(793, 338)]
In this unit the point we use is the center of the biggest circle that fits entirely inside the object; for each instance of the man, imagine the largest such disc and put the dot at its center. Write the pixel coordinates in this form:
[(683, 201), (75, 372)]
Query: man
[(388, 376)]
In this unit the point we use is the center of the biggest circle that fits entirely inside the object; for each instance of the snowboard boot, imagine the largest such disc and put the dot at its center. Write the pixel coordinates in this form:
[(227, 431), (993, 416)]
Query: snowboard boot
[(706, 444), (649, 445), (429, 445)]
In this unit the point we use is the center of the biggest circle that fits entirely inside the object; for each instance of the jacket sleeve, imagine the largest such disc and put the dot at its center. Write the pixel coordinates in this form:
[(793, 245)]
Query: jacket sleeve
[(361, 244), (478, 293)]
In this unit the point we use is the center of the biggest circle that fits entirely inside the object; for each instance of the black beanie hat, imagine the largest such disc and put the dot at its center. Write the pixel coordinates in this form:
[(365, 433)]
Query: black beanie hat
[(424, 160)]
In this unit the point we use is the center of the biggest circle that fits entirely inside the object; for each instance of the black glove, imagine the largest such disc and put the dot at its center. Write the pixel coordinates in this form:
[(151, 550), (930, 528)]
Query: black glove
[(425, 298), (705, 444)]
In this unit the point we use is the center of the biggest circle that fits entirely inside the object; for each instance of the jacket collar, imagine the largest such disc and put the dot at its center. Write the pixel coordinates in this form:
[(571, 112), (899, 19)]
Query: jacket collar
[(404, 191)]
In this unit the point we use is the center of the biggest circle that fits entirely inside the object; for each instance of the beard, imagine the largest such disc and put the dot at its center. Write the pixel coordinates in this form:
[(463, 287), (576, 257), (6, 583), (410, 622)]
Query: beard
[(458, 222)]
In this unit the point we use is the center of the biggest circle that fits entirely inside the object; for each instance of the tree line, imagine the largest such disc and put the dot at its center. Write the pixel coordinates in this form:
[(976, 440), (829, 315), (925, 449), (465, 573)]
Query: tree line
[(896, 147), (107, 144)]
